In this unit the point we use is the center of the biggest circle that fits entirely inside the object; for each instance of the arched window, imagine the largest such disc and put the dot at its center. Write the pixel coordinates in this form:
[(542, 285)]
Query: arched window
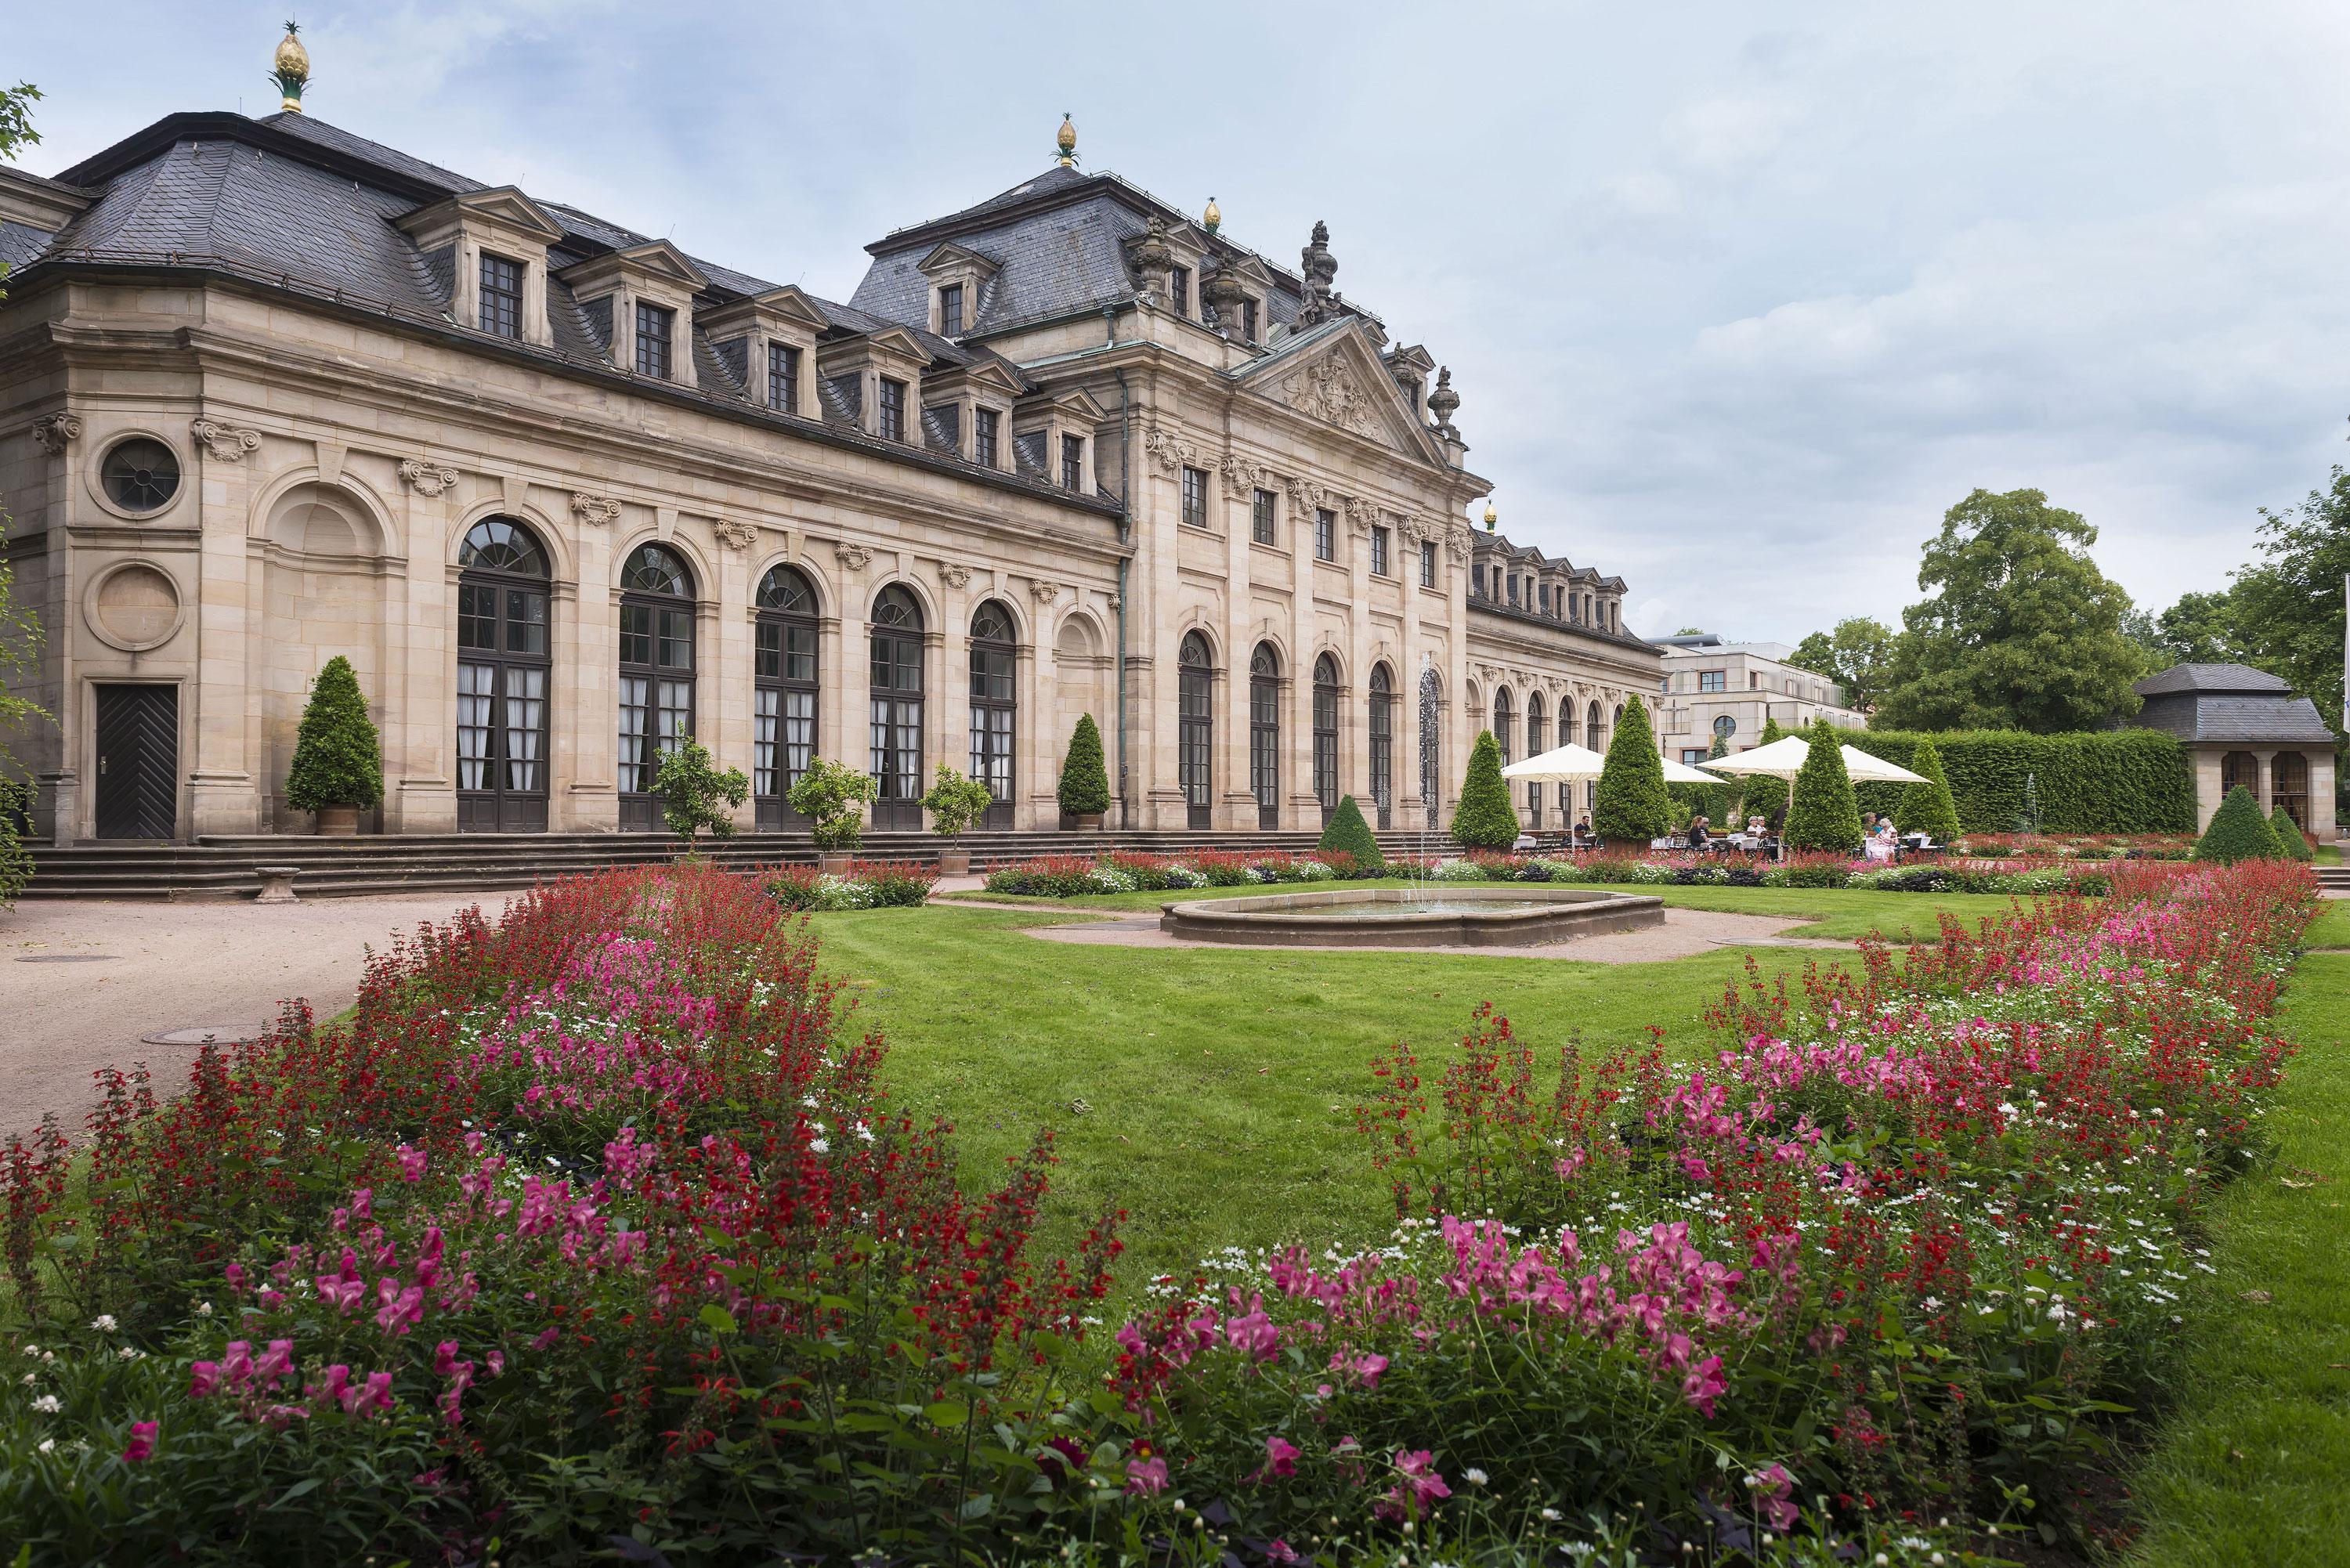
[(1325, 734), (994, 651), (656, 675), (1382, 732), (897, 708), (2289, 786), (502, 669), (1264, 734), (1504, 721), (1195, 731), (785, 677), (1537, 723)]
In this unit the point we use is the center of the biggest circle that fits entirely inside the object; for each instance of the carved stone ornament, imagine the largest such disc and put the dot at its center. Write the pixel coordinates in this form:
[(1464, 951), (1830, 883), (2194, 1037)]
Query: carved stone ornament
[(1169, 453), (1455, 545), (1111, 601), (1242, 478), (600, 509), (955, 575), (1360, 514), (426, 478), (1443, 402), (735, 535), (53, 432), (226, 443), (855, 557), (1329, 391), (1045, 592), (1305, 497)]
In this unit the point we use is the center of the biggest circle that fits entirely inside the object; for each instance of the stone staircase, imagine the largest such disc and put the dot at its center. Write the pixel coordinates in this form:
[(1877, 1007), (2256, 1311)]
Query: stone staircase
[(222, 867), (2335, 879)]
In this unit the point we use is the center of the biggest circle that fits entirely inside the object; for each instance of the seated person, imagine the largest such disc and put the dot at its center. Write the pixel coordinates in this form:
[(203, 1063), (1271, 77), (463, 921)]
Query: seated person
[(1583, 830), (1697, 833)]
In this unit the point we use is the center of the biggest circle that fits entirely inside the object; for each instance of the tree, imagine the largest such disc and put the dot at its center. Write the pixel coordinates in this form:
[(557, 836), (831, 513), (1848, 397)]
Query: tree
[(2289, 606), (15, 132), (955, 802), (1854, 656), (1926, 807), (2020, 630), (694, 795), (2290, 840), (832, 797), (2201, 628), (1084, 778), (1486, 820), (2237, 832), (1766, 797), (1816, 653), (337, 758), (1347, 834), (1633, 806), (1823, 814)]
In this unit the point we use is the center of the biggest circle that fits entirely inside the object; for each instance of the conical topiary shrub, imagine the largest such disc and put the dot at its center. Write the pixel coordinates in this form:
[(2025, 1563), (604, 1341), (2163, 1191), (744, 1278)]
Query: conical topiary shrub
[(1486, 819), (1084, 778), (1821, 813), (2289, 837), (1348, 834), (1633, 806), (337, 758), (2237, 832), (1765, 797), (1928, 807)]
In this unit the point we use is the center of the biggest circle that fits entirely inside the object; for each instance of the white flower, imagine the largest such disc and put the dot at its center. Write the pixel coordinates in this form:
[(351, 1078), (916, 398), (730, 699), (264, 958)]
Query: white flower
[(203, 1309), (818, 1146), (30, 1378), (1549, 1515), (103, 1323), (1473, 1475), (49, 1445), (48, 1404)]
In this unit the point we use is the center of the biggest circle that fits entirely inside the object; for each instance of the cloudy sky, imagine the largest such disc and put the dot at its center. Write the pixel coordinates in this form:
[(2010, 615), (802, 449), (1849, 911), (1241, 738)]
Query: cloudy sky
[(1740, 295)]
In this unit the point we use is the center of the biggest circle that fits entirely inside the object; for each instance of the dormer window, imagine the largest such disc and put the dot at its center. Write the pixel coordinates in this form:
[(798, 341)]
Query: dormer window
[(889, 410), (784, 378), (1248, 321), (951, 310), (1073, 462), (654, 325), (1477, 579), (1179, 290), (985, 424), (501, 295)]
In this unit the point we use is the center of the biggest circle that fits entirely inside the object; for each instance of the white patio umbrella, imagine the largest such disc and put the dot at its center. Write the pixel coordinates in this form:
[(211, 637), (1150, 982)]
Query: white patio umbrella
[(1783, 759), (1573, 764)]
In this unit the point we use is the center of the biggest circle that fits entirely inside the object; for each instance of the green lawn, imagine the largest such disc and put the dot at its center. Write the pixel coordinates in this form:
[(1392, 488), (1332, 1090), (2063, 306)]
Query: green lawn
[(1216, 1084), (1826, 912), (2332, 927), (2250, 1467)]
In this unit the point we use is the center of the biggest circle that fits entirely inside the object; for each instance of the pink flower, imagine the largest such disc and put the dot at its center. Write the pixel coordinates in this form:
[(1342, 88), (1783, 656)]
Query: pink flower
[(339, 1294), (1772, 1487), (1366, 1367), (142, 1441), (550, 1337), (1280, 1457), (1145, 1478), (1704, 1385), (1280, 1550), (445, 1357), (1254, 1335), (402, 1310), (1418, 1486), (207, 1378), (411, 1163), (376, 1396), (236, 1366), (274, 1363)]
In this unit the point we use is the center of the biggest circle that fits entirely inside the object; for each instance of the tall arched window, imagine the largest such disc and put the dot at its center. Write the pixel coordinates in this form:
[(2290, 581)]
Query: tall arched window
[(994, 651), (1537, 723), (2289, 787), (656, 675), (1264, 734), (1325, 734), (1504, 721), (503, 670), (785, 677), (1382, 735), (1196, 731), (1595, 731), (897, 708)]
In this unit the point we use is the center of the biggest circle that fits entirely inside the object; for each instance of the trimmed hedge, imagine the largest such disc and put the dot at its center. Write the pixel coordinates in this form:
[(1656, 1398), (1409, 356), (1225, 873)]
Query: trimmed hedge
[(1926, 807), (1823, 815), (337, 756), (1486, 818), (2237, 832), (1084, 777), (2289, 837), (1348, 834), (1632, 806), (2101, 781)]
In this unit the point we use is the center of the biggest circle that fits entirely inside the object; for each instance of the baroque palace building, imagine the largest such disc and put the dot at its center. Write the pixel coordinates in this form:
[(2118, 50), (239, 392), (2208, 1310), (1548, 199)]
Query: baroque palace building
[(562, 493)]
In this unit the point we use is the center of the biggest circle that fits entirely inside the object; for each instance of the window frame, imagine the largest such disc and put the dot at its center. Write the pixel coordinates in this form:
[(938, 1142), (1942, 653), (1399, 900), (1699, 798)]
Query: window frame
[(1711, 681), (1073, 463), (656, 340), (772, 807), (784, 377), (1380, 561), (1260, 521), (986, 437), (1178, 291), (951, 320), (1325, 535), (506, 319), (889, 409), (1193, 487), (1428, 563), (639, 811)]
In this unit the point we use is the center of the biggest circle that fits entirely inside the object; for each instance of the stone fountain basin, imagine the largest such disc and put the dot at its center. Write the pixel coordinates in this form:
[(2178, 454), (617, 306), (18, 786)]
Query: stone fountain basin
[(1443, 916)]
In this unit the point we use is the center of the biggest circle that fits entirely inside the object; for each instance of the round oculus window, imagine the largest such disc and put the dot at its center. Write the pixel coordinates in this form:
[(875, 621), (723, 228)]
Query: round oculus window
[(1725, 726), (140, 475)]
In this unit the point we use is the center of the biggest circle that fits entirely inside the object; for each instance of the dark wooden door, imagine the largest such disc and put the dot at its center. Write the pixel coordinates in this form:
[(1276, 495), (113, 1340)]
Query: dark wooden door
[(138, 762)]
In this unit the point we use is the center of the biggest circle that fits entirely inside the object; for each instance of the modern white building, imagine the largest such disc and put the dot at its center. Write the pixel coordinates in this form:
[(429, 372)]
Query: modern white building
[(1712, 686)]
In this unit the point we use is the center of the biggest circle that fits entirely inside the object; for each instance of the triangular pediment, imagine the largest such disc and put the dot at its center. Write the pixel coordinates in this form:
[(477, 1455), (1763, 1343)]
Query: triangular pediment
[(664, 260), (793, 304), (950, 256), (506, 204), (898, 341), (1339, 379)]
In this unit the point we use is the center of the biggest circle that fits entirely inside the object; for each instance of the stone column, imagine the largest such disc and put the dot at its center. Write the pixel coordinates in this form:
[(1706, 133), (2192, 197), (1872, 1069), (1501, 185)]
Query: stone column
[(421, 665), (1406, 791), (953, 681), (220, 711), (1239, 806), (853, 741), (584, 745), (724, 627), (1305, 809)]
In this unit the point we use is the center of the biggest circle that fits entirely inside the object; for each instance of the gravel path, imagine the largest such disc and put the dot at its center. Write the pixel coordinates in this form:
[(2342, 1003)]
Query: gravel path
[(130, 969)]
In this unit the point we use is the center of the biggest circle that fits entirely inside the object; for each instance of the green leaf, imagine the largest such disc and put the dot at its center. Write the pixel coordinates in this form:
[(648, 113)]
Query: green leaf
[(717, 1319), (948, 1413)]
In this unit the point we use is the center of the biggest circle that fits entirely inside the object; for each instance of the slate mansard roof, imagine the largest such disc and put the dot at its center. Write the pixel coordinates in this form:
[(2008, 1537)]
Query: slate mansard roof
[(293, 201), (2228, 702)]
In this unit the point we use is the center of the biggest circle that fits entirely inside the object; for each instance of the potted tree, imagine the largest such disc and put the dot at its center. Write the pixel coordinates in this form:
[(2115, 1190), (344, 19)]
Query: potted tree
[(696, 797), (955, 805), (1084, 779), (338, 759), (833, 796)]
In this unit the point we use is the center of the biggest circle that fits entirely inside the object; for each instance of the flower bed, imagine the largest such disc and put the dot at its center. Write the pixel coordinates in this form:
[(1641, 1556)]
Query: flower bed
[(1903, 1247), (590, 1227), (866, 885), (2083, 846), (2025, 876), (1074, 876)]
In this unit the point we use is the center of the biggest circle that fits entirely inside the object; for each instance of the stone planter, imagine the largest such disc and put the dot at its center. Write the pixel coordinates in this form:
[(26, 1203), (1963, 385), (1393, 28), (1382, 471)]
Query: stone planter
[(954, 862), (337, 821), (835, 862), (1086, 821)]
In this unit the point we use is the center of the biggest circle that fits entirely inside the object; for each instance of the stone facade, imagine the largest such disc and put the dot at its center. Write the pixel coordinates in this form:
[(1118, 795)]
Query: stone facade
[(2244, 726), (1169, 442), (1708, 680)]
